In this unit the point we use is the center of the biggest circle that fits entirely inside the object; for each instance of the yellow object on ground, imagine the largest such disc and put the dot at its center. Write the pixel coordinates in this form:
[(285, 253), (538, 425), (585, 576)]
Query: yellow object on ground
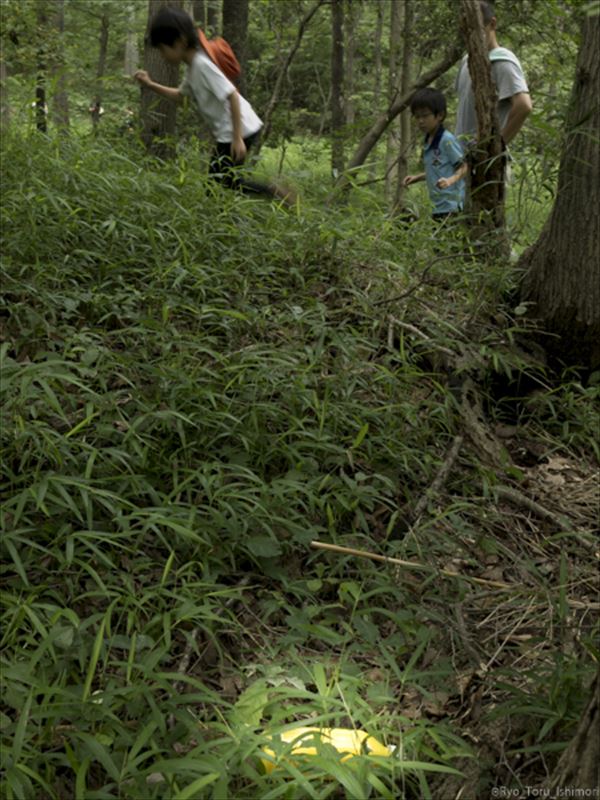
[(345, 740)]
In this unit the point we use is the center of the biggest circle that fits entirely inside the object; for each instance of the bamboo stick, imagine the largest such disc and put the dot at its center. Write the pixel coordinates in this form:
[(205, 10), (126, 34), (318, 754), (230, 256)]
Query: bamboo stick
[(350, 551)]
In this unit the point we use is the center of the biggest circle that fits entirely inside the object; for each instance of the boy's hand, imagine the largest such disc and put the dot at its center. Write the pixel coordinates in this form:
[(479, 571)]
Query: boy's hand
[(445, 183), (238, 150), (141, 76), (410, 179)]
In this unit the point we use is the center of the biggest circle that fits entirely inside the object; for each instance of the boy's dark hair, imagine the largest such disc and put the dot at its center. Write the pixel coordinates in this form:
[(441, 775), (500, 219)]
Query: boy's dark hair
[(487, 11), (170, 24), (431, 99)]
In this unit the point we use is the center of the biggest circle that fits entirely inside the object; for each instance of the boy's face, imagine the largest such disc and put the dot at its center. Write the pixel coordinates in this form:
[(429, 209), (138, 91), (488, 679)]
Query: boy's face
[(427, 121), (173, 53)]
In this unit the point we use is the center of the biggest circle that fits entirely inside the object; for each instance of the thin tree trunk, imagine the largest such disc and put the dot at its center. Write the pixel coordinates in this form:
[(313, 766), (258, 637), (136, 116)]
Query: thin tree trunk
[(132, 56), (96, 107), (405, 127), (282, 73), (235, 30), (59, 106), (199, 13), (4, 97), (158, 115), (213, 17), (41, 107), (380, 125), (391, 155), (380, 9), (562, 269), (350, 23), (337, 86), (487, 162)]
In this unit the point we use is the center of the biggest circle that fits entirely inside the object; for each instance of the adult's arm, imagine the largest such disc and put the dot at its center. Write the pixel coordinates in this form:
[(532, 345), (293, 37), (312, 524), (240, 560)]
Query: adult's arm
[(520, 109)]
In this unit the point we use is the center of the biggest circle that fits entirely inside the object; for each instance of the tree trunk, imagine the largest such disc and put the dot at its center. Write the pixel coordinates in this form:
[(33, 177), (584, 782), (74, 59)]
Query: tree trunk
[(562, 279), (377, 66), (380, 125), (487, 164), (337, 86), (350, 23), (199, 13), (391, 156), (60, 100), (4, 98), (235, 30), (158, 115), (96, 107), (213, 17), (282, 73), (405, 128), (41, 107), (579, 765), (132, 56)]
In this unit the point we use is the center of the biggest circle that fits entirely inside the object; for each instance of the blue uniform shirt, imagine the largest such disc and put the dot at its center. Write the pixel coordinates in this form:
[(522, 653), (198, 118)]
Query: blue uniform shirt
[(442, 158)]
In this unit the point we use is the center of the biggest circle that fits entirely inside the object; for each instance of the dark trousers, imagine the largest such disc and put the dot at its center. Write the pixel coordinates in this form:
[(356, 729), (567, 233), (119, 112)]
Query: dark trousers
[(223, 169)]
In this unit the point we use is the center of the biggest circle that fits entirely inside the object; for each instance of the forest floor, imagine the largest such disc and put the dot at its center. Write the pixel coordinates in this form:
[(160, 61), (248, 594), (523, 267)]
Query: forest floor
[(197, 387)]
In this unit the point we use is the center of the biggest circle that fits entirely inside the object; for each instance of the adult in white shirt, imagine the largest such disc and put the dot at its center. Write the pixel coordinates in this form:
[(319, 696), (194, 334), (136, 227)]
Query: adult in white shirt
[(514, 100)]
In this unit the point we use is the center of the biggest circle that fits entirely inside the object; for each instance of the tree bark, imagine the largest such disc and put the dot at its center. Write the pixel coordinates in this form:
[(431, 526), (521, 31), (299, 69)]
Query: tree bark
[(4, 96), (158, 115), (132, 55), (41, 107), (350, 23), (380, 125), (281, 75), (199, 13), (391, 156), (213, 17), (487, 161), (235, 30), (96, 107), (337, 86), (579, 765), (562, 278), (405, 128), (59, 106)]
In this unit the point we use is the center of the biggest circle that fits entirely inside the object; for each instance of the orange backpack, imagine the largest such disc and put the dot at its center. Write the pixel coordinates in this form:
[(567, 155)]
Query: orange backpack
[(220, 53)]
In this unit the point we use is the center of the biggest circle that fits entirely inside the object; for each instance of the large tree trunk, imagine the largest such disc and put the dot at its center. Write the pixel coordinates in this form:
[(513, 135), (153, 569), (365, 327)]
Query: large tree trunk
[(96, 107), (487, 162), (562, 279), (59, 106), (235, 30), (368, 142), (579, 765), (282, 74), (337, 86), (158, 115)]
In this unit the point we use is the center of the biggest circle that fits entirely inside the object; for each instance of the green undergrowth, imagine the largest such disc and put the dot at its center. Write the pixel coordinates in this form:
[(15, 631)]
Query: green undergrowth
[(196, 385)]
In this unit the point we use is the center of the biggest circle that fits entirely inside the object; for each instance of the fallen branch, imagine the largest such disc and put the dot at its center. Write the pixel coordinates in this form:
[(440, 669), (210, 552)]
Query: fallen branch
[(350, 551), (412, 329), (440, 478)]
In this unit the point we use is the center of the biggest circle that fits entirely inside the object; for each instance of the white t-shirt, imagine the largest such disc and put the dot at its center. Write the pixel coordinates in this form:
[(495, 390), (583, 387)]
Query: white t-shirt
[(508, 76), (205, 83)]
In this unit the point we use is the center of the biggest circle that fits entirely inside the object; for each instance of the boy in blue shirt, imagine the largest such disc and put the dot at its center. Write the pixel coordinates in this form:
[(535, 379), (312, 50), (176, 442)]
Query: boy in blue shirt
[(443, 156)]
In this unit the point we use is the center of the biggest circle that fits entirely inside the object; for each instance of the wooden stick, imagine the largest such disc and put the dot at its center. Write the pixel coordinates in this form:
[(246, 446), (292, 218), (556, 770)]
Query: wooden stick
[(349, 551)]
